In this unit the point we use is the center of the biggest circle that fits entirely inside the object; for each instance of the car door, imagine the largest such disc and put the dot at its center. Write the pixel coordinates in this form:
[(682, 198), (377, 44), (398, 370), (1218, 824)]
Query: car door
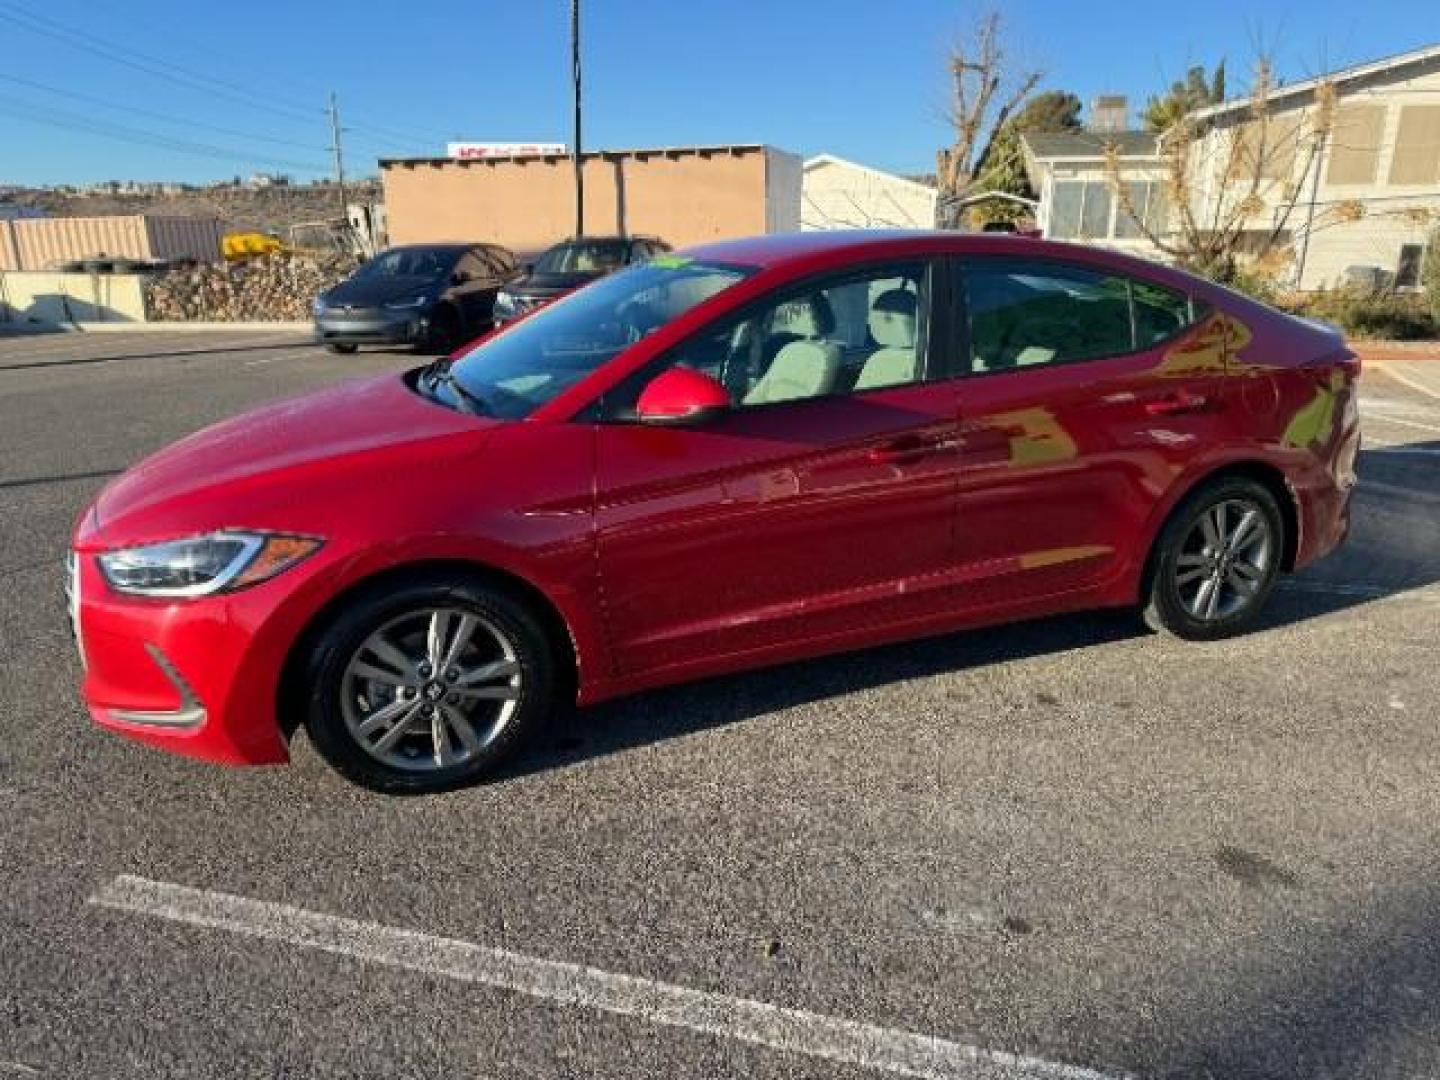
[(472, 290), (822, 503), (1086, 393)]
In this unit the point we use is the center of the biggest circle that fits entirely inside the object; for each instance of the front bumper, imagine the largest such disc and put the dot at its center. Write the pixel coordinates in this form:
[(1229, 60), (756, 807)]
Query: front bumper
[(189, 677), (372, 328)]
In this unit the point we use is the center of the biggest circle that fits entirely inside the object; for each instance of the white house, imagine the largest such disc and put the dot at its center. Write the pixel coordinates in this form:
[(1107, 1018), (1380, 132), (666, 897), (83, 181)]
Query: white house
[(839, 194), (1366, 196)]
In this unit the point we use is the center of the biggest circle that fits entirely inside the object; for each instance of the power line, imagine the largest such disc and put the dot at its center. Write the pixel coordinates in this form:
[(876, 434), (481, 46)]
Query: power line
[(158, 67), (60, 118), (152, 114)]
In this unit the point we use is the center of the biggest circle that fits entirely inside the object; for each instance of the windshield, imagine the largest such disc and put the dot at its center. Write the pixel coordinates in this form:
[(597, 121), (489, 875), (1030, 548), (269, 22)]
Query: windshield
[(537, 358), (407, 263), (583, 257)]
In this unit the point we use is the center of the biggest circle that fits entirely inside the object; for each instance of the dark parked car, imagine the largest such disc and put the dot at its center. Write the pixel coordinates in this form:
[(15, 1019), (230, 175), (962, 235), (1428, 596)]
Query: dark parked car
[(432, 296), (570, 264)]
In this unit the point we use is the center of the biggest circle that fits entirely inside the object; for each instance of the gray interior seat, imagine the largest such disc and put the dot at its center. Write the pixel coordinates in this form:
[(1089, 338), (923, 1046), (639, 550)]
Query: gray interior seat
[(802, 369), (893, 326)]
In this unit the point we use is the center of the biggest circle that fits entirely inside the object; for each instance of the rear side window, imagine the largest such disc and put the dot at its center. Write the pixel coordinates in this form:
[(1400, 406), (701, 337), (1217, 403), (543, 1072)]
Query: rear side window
[(1033, 314)]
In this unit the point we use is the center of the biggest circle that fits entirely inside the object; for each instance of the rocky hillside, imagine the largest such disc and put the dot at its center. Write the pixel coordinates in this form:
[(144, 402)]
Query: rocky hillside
[(242, 209)]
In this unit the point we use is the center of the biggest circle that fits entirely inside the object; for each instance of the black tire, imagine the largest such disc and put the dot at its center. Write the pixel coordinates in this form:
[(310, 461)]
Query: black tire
[(444, 334), (1167, 607), (335, 647), (340, 347)]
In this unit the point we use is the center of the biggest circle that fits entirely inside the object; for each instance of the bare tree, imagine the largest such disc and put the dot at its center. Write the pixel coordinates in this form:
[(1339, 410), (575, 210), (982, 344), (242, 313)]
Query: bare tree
[(1239, 189), (985, 91), (1231, 188)]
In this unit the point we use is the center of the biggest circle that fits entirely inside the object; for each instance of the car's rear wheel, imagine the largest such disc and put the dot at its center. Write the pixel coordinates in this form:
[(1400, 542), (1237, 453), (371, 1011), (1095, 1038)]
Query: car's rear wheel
[(1216, 561), (427, 685), (340, 347)]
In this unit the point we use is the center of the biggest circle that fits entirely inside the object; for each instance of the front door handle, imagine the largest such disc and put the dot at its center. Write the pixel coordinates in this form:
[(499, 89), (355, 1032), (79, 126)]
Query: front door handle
[(1178, 403)]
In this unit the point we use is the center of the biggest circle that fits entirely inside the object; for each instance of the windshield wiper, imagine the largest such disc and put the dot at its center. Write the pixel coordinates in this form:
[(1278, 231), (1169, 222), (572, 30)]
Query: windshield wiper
[(466, 400)]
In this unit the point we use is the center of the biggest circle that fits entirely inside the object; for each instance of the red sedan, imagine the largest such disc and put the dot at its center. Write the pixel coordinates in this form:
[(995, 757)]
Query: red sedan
[(744, 454)]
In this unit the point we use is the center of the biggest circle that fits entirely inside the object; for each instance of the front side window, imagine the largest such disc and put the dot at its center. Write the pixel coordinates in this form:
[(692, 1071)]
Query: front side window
[(1031, 314), (583, 257), (535, 359), (861, 332), (429, 264)]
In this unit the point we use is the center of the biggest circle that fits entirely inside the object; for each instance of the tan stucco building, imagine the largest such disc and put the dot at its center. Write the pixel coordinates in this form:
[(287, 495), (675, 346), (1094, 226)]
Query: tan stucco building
[(685, 195)]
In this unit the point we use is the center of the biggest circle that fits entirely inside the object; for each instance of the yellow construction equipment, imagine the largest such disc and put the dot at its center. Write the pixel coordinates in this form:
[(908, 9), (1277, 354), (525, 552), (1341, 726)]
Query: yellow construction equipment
[(239, 246)]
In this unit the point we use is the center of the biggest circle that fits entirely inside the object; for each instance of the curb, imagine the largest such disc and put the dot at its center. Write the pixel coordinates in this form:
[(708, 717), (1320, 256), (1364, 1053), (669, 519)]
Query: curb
[(156, 327), (1380, 351)]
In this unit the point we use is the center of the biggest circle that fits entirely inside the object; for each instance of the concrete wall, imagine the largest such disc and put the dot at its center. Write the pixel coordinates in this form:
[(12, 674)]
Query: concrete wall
[(42, 297), (784, 183), (42, 243), (842, 195), (684, 196)]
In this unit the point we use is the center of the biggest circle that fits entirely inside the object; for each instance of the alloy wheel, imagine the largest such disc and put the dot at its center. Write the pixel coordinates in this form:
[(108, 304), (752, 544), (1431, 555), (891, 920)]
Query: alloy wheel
[(1225, 560), (431, 689)]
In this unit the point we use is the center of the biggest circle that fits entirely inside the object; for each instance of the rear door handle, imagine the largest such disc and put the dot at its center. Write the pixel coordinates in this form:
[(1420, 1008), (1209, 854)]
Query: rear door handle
[(1178, 403), (904, 451)]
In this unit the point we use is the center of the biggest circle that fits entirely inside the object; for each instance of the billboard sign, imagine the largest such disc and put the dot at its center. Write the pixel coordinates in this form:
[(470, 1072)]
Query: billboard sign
[(470, 151)]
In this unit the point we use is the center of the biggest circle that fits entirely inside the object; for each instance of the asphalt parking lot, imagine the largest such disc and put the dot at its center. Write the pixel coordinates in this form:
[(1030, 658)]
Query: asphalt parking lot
[(1059, 849)]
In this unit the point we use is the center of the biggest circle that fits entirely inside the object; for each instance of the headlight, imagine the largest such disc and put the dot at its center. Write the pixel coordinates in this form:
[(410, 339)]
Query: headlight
[(407, 303), (319, 306), (505, 306), (201, 565)]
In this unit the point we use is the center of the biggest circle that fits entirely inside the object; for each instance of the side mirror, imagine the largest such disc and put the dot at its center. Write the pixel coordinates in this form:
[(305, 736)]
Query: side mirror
[(681, 396)]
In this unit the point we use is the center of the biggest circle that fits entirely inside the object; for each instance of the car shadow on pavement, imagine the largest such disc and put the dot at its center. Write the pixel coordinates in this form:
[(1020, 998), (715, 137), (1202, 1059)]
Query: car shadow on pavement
[(1391, 550), (1367, 985)]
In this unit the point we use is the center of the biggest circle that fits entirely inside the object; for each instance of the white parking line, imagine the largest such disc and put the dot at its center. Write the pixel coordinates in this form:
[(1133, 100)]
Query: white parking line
[(1413, 383), (848, 1042)]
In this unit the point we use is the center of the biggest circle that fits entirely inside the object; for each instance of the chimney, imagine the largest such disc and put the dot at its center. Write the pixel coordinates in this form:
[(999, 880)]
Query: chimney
[(1109, 113)]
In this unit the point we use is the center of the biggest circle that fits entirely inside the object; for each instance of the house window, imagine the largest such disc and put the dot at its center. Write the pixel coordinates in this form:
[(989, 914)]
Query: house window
[(1355, 144), (1407, 270), (1065, 203), (1147, 202), (1082, 210), (1417, 146)]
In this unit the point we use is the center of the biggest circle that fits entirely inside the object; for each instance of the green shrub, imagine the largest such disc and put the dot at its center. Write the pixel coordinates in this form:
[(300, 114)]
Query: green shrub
[(1396, 316)]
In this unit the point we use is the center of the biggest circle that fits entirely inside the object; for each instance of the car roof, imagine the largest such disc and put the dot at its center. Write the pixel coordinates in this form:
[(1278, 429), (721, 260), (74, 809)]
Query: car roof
[(451, 246), (777, 250)]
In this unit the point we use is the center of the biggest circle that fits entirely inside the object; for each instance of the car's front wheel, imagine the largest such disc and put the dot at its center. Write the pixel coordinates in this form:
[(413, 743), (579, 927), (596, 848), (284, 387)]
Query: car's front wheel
[(426, 685), (1216, 561), (445, 333)]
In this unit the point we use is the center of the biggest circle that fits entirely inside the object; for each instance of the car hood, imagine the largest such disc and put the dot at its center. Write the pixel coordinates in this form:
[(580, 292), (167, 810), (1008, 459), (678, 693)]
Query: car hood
[(549, 284), (368, 293), (257, 469)]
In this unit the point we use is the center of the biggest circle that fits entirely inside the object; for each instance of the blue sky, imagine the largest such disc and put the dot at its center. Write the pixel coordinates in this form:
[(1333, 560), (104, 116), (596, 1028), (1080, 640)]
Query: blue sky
[(857, 78)]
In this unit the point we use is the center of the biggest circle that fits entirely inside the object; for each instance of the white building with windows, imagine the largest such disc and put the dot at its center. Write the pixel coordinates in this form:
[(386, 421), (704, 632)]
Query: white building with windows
[(839, 194), (1362, 202)]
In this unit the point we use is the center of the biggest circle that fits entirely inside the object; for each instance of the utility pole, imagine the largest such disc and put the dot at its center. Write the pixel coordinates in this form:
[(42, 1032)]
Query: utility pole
[(575, 149), (339, 155)]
